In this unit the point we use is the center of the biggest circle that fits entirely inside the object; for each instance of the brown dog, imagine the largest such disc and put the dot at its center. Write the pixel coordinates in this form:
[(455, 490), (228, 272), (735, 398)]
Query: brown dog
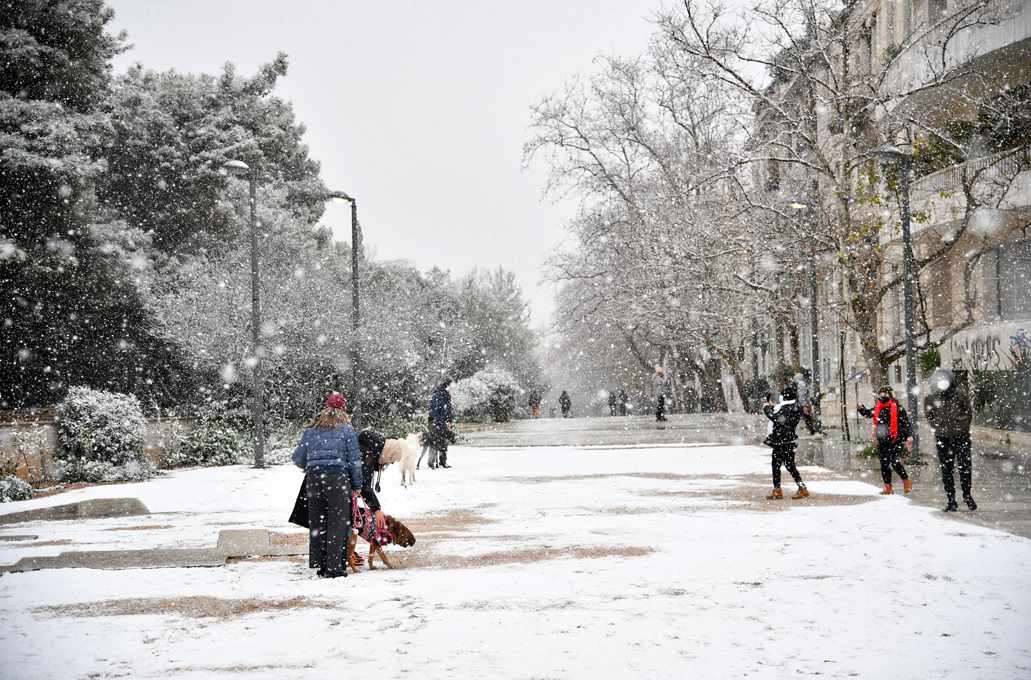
[(399, 534)]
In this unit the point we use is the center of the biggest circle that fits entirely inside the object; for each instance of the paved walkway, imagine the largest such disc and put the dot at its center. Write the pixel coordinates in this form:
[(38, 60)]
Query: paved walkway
[(231, 543), (1002, 482), (1002, 472)]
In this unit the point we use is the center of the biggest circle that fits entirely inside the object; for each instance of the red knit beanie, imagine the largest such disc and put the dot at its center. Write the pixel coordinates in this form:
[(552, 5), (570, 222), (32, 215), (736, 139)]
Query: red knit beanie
[(336, 400)]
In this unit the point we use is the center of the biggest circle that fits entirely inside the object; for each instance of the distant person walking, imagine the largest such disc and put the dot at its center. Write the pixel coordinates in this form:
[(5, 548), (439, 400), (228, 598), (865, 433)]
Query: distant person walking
[(660, 388), (805, 403), (440, 432), (566, 404), (947, 408), (330, 457), (612, 404), (784, 419), (535, 402), (890, 429)]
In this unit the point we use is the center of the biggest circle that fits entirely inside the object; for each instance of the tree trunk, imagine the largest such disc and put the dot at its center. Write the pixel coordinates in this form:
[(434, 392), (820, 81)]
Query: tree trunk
[(714, 373), (796, 358), (866, 326), (778, 356)]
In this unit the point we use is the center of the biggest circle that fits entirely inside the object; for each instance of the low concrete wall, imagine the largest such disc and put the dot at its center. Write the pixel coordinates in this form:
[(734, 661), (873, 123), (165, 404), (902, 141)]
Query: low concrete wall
[(31, 440)]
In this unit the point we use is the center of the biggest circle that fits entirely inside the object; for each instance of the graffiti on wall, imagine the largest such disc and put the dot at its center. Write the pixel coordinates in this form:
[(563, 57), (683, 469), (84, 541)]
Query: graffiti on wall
[(989, 353)]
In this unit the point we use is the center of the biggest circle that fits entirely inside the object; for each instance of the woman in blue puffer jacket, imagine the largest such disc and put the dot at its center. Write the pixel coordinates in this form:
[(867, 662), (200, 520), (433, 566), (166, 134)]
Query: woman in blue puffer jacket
[(329, 454)]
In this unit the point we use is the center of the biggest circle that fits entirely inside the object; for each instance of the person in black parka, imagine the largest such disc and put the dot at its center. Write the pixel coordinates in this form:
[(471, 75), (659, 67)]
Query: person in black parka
[(566, 403), (375, 458), (947, 408), (784, 419)]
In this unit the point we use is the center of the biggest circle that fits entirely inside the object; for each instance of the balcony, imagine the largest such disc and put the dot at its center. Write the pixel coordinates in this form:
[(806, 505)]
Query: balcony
[(997, 181), (1000, 44)]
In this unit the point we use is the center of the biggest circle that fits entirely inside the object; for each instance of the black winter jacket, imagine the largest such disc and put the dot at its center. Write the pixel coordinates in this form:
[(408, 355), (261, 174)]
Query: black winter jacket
[(370, 443), (785, 420)]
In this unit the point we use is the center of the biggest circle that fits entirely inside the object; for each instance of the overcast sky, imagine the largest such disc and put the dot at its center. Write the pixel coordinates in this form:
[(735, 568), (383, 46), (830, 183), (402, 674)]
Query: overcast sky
[(417, 109)]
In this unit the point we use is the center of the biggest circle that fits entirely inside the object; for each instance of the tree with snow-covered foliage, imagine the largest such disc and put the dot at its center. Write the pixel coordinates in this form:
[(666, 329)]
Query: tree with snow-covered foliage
[(488, 394), (69, 310)]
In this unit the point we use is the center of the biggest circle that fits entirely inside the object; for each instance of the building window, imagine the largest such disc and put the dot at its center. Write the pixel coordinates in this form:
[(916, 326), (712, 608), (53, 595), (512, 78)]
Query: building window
[(891, 23), (1013, 265), (867, 45), (898, 374), (936, 10), (772, 176), (907, 18)]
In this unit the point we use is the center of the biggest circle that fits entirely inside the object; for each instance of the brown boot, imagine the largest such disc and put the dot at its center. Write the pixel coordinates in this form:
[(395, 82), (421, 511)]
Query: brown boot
[(802, 493), (887, 490), (907, 485), (775, 494)]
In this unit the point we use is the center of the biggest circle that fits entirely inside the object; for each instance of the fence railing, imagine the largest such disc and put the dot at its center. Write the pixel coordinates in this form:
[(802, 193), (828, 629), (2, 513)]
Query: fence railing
[(951, 179)]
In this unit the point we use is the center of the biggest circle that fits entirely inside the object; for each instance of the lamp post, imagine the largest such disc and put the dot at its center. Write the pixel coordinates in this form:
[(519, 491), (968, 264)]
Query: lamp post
[(893, 154), (258, 407), (341, 197), (814, 327)]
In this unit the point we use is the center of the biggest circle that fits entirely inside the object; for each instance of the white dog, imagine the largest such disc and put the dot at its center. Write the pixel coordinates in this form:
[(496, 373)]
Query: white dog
[(410, 446)]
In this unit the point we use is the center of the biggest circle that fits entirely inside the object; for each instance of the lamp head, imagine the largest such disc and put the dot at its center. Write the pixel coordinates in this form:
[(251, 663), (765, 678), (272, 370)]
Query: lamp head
[(236, 167), (338, 197), (889, 153)]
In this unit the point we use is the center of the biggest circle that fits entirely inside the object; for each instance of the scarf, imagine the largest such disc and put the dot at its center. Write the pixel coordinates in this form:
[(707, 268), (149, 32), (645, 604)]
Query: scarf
[(776, 409), (893, 427)]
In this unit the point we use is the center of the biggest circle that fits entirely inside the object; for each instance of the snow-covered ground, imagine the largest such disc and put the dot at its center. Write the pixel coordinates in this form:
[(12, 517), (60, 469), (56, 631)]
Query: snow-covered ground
[(660, 562)]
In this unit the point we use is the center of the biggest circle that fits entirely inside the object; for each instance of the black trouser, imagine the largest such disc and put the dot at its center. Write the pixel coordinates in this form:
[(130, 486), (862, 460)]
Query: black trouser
[(329, 517), (889, 452), (955, 450), (660, 409), (785, 455)]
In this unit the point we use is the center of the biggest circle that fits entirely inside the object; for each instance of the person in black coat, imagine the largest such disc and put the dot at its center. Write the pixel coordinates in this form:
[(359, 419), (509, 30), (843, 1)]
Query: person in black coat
[(948, 412), (565, 402), (784, 419), (375, 458), (890, 429)]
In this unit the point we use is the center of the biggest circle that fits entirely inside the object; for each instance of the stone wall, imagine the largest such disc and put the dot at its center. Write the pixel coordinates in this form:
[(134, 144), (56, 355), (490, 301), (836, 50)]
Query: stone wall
[(30, 438)]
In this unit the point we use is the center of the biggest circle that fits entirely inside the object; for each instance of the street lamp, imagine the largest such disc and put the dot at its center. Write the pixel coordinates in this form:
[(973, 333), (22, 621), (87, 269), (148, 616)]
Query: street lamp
[(892, 154), (341, 197), (814, 328), (242, 169)]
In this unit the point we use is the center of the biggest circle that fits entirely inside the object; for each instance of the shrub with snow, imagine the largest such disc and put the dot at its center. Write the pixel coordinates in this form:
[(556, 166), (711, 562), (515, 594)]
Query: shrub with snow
[(12, 488), (101, 437), (486, 395), (211, 442)]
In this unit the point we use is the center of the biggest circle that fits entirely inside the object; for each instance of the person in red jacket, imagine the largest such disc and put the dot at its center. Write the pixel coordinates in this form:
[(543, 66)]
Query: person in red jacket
[(890, 429)]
